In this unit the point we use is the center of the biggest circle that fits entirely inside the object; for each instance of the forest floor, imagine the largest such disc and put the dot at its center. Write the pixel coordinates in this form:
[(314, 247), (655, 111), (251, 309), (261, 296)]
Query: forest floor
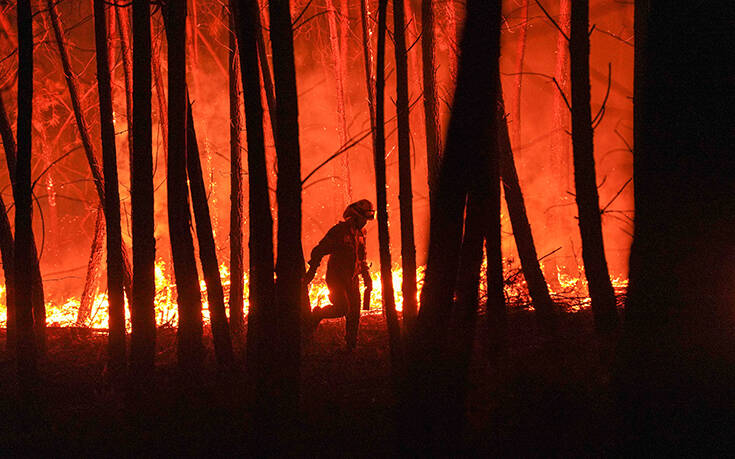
[(542, 396)]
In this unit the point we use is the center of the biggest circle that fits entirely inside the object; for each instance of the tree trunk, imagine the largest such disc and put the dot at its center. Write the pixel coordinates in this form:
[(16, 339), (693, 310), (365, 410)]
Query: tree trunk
[(431, 107), (405, 197), (237, 287), (367, 53), (190, 348), (386, 276), (123, 26), (290, 289), (518, 83), (262, 314), (676, 374), (160, 95), (143, 337), (39, 304), (7, 256), (25, 339), (270, 94), (93, 269), (470, 147), (116, 337), (588, 203), (537, 287)]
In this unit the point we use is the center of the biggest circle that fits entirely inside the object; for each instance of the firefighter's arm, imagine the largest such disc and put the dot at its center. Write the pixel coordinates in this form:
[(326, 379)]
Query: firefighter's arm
[(324, 248), (364, 266)]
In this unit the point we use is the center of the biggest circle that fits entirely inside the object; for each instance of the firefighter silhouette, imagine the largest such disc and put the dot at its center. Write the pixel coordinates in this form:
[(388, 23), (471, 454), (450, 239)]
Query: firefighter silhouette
[(345, 245)]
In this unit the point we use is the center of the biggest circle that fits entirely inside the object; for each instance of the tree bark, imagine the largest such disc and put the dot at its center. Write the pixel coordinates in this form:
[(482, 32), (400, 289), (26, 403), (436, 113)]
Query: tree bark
[(518, 83), (431, 107), (123, 26), (386, 276), (262, 314), (143, 337), (290, 289), (116, 351), (93, 268), (7, 255), (237, 287), (26, 352), (405, 196), (367, 53), (470, 147), (588, 203)]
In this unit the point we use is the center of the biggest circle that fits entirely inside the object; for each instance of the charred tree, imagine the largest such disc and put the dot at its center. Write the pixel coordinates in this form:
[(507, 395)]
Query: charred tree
[(261, 315), (368, 61), (190, 348), (518, 83), (270, 93), (237, 287), (143, 336), (26, 347), (93, 269), (123, 27), (7, 256), (431, 100), (585, 181), (115, 268), (537, 287), (290, 289), (677, 354), (405, 195), (386, 276), (430, 393)]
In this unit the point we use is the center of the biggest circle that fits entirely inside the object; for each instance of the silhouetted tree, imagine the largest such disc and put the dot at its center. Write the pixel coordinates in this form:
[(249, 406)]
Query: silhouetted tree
[(431, 104), (123, 27), (430, 393), (405, 194), (585, 181), (25, 339), (7, 255), (143, 336), (386, 276), (115, 269), (678, 352)]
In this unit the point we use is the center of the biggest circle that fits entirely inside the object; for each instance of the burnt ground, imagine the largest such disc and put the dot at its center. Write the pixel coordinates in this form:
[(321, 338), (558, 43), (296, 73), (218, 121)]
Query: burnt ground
[(543, 396)]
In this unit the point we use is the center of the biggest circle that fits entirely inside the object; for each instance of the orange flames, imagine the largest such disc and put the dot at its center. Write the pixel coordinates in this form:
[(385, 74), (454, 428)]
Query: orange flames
[(570, 291)]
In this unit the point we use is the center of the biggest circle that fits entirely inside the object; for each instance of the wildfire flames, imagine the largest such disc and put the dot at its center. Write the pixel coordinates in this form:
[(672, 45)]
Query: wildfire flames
[(570, 291)]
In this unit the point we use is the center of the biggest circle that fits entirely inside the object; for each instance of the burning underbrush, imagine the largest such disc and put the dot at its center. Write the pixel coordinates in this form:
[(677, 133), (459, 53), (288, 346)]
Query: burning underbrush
[(568, 291)]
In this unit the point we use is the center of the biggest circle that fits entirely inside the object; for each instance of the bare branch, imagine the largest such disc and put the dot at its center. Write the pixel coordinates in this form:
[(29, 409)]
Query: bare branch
[(552, 20)]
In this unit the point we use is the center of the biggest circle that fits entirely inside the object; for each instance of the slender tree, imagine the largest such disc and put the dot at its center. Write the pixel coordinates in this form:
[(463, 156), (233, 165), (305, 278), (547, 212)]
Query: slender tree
[(25, 339), (431, 105), (430, 393), (518, 83), (405, 195), (588, 203), (123, 27), (290, 289), (237, 287), (115, 267), (143, 337), (7, 251), (93, 268), (386, 276)]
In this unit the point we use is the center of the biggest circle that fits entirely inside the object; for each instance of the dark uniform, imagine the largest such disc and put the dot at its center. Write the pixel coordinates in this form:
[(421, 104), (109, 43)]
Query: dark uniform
[(345, 245)]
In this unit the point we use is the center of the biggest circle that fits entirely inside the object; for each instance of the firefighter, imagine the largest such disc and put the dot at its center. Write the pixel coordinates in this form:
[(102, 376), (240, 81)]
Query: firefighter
[(345, 245)]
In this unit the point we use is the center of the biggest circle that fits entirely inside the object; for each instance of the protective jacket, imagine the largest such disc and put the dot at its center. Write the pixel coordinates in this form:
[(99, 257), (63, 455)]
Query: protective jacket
[(345, 246)]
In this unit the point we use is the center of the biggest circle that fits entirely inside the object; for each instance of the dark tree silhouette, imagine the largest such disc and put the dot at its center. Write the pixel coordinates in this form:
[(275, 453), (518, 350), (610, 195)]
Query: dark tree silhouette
[(123, 27), (431, 391), (262, 314), (190, 349), (585, 181), (405, 194), (25, 339), (386, 276), (237, 287), (290, 289), (115, 268), (431, 105), (7, 251), (143, 336), (678, 350)]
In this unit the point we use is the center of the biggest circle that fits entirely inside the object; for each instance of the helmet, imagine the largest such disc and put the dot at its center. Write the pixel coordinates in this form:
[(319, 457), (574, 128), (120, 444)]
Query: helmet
[(362, 208)]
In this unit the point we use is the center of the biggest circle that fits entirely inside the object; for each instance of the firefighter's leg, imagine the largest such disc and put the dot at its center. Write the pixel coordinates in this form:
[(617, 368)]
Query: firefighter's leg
[(338, 308), (353, 315)]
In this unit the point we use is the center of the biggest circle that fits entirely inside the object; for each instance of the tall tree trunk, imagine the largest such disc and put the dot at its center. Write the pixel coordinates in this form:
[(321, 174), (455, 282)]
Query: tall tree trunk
[(518, 83), (160, 95), (431, 106), (367, 53), (25, 339), (39, 304), (405, 196), (588, 203), (262, 313), (208, 249), (290, 289), (7, 255), (470, 147), (93, 268), (190, 348), (237, 287), (676, 374), (537, 287), (123, 27), (270, 94), (116, 312), (143, 337), (386, 276), (82, 127)]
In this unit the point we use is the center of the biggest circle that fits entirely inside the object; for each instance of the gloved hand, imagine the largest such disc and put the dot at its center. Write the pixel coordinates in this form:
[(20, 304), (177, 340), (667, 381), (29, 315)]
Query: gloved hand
[(368, 281)]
